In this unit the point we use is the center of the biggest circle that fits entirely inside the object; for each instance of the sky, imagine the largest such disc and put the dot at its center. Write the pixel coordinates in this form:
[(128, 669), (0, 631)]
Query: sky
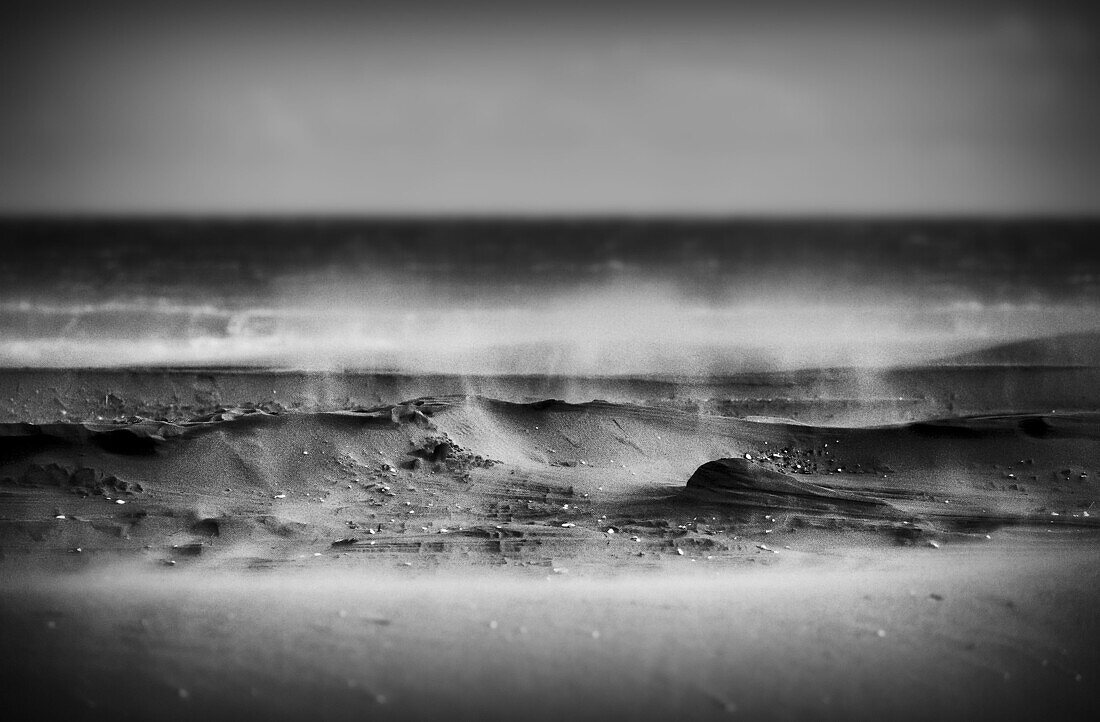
[(984, 107)]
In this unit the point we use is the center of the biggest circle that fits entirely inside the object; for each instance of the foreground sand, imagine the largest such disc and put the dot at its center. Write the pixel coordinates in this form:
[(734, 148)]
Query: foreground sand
[(480, 559), (1005, 632)]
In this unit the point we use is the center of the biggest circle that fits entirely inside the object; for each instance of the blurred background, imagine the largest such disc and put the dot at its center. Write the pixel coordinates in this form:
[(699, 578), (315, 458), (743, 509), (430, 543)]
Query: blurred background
[(644, 188)]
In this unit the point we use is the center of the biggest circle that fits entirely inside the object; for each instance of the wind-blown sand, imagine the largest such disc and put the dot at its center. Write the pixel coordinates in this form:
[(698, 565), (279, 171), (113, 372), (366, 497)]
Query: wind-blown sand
[(483, 559)]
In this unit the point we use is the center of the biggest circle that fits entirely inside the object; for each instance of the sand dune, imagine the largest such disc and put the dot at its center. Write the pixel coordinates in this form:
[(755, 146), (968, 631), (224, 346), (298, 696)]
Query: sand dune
[(385, 559), (823, 397), (1074, 349), (449, 469)]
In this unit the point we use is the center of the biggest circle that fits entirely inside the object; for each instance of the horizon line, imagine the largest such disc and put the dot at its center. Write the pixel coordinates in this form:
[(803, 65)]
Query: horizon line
[(551, 216)]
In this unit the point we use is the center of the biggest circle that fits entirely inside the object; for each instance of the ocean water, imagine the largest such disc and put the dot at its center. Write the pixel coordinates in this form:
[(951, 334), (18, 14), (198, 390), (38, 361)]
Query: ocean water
[(537, 296)]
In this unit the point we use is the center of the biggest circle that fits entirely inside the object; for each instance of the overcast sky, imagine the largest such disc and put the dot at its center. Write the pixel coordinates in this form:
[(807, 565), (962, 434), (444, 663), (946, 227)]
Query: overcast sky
[(548, 107)]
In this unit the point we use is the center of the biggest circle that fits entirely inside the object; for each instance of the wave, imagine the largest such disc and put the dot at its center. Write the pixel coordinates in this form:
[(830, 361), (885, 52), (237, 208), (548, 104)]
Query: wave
[(582, 297), (611, 332)]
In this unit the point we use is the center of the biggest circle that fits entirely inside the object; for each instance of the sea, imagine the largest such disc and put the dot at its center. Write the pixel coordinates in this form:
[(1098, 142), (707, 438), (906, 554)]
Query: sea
[(592, 296)]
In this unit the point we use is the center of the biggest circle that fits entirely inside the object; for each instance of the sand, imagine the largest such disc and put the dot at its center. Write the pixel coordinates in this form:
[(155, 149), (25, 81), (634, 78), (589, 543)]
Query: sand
[(902, 634), (212, 550)]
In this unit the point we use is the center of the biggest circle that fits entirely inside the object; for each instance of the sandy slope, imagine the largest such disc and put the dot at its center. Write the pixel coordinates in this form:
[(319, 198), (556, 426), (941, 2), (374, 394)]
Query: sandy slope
[(833, 396), (439, 470), (475, 547)]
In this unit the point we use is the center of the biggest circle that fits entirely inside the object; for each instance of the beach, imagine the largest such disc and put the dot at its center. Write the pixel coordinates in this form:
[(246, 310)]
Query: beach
[(588, 469), (481, 558), (570, 361)]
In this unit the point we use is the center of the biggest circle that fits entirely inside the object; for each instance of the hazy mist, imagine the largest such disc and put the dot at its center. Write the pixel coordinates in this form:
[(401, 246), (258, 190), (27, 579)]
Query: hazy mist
[(646, 108)]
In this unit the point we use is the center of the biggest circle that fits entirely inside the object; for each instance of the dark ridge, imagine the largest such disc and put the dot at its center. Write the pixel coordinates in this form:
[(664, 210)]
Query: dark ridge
[(207, 527), (1081, 425), (1071, 350), (16, 448), (741, 482), (125, 442), (552, 405)]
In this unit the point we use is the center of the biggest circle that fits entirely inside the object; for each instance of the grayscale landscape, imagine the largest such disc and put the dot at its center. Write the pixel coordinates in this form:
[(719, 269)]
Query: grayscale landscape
[(361, 361)]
